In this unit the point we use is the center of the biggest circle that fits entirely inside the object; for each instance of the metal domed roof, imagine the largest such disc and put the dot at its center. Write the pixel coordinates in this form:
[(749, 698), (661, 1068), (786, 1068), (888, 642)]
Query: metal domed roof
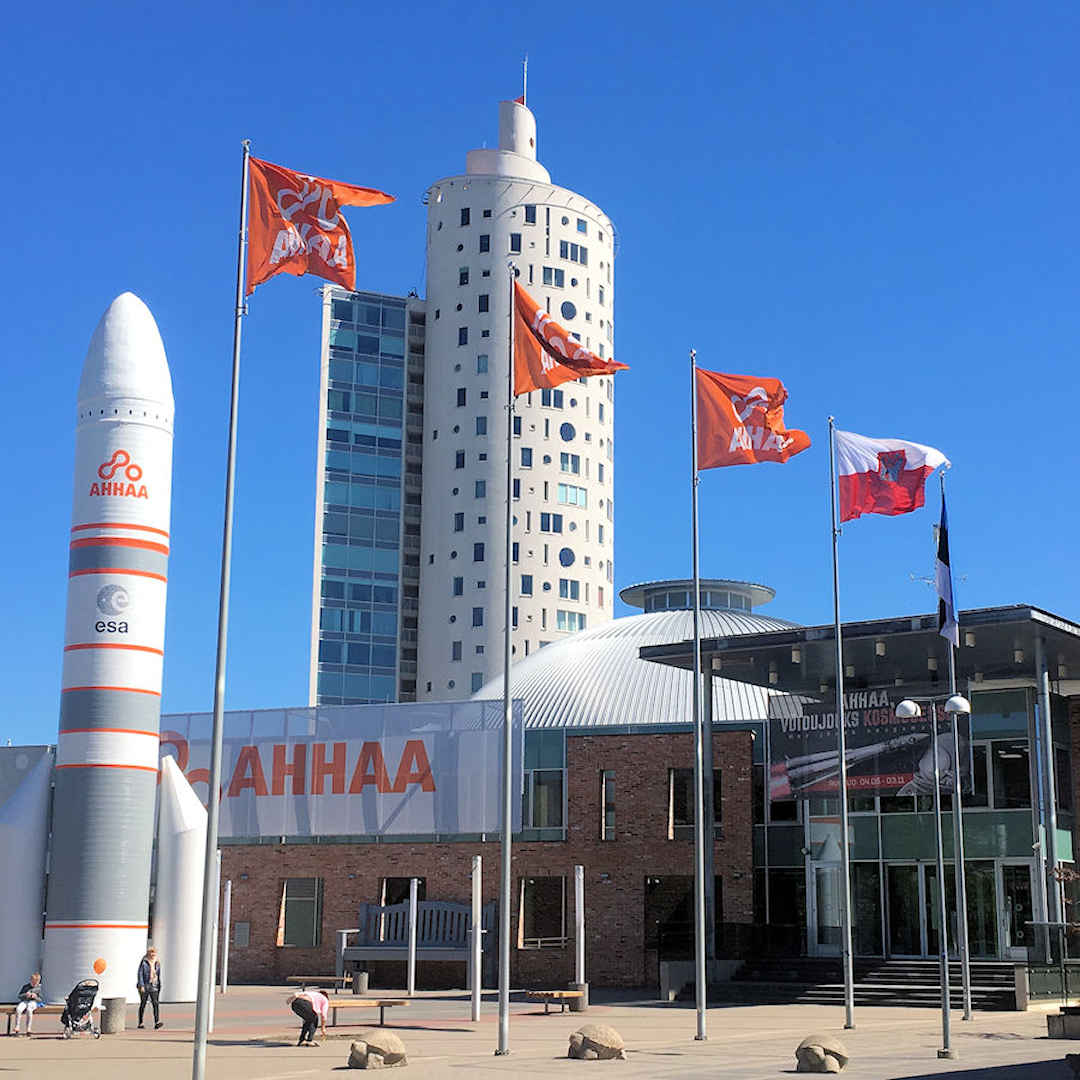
[(597, 679)]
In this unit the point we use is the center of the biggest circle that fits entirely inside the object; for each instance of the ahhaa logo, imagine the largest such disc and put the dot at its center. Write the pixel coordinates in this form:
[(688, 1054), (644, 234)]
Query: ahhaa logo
[(126, 484)]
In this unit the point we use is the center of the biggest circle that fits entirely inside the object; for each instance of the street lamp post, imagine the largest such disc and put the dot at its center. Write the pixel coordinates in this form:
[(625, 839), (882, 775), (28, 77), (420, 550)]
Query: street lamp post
[(908, 710)]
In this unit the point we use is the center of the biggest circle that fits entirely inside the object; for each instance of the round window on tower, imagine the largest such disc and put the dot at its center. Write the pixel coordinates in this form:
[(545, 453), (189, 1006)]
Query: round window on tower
[(566, 557), (567, 432), (568, 310)]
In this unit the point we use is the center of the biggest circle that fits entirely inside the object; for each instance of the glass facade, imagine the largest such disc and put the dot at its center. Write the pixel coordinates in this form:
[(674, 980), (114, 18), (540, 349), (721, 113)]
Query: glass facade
[(368, 533)]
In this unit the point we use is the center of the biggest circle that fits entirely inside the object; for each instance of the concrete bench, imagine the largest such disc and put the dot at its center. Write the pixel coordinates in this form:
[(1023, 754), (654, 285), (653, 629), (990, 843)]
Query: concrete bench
[(382, 1004), (337, 982), (563, 997), (41, 1010)]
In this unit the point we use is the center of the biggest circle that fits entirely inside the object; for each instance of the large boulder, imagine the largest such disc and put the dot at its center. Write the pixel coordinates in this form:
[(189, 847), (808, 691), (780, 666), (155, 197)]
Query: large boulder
[(376, 1048), (596, 1042), (821, 1054)]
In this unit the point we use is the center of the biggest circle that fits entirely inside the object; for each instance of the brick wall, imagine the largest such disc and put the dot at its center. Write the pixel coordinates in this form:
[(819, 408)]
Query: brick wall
[(615, 871)]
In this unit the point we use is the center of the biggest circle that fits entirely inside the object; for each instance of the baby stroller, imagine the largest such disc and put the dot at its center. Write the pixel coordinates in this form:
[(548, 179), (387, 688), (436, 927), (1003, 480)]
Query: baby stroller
[(78, 1014)]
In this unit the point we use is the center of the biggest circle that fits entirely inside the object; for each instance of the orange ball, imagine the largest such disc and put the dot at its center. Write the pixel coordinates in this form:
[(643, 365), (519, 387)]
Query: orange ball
[(99, 966)]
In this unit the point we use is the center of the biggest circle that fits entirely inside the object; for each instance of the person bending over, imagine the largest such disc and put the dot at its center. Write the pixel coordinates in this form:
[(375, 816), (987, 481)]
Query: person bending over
[(312, 1007)]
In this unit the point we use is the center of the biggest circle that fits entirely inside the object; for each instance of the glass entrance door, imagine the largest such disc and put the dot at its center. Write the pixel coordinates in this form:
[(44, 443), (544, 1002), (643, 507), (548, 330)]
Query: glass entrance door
[(931, 904), (904, 907), (982, 910), (1016, 909), (825, 898)]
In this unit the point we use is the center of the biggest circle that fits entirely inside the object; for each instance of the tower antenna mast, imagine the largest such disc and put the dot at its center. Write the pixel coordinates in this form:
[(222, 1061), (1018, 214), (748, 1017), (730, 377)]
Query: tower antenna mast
[(525, 81)]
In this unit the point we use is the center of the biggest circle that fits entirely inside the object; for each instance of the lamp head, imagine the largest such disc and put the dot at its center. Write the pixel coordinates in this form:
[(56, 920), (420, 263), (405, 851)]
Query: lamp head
[(908, 710), (958, 704)]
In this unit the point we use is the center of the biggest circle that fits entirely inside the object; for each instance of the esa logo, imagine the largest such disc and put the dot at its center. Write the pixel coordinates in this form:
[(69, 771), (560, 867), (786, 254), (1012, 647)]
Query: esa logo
[(112, 601)]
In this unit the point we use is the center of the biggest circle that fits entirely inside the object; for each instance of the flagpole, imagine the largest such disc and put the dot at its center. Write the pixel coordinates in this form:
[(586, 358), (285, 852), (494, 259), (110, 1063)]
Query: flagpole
[(958, 818), (508, 741), (841, 742), (699, 735), (209, 907)]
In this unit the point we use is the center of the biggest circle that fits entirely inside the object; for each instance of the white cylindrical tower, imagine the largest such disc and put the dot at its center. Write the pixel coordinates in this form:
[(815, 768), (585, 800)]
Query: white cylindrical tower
[(503, 211)]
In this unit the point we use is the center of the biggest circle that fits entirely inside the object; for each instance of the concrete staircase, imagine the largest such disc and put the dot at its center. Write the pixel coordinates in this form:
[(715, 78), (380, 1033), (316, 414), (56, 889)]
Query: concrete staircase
[(913, 983)]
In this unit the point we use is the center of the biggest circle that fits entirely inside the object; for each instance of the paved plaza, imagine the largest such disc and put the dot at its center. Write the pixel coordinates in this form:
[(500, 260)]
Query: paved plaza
[(255, 1034)]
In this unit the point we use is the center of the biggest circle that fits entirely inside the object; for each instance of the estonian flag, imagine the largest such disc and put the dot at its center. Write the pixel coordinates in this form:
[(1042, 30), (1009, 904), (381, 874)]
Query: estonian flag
[(946, 618)]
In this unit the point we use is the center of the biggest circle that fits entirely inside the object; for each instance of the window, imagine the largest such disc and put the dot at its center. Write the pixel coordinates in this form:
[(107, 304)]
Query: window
[(542, 913), (482, 302), (530, 214), (478, 616), (569, 311), (485, 243), (567, 432), (301, 912), (462, 396), (517, 425), (554, 276), (571, 621), (570, 463), (681, 803), (465, 215), (566, 557), (607, 804), (463, 276), (463, 335), (482, 364), (1012, 779), (395, 890), (576, 253), (455, 650), (481, 425), (526, 457), (513, 617), (581, 226), (459, 522), (514, 552), (517, 489), (477, 680), (569, 589), (552, 398), (459, 460), (480, 489), (526, 585), (551, 523), (600, 472), (571, 495), (515, 243), (600, 295), (459, 586), (478, 553)]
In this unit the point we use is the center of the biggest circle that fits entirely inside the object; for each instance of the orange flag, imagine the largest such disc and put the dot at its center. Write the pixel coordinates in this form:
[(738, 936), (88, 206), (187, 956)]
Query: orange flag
[(741, 421), (545, 354), (295, 225)]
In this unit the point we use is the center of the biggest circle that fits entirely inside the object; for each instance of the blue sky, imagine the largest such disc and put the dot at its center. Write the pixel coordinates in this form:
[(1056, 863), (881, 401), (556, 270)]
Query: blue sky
[(874, 202)]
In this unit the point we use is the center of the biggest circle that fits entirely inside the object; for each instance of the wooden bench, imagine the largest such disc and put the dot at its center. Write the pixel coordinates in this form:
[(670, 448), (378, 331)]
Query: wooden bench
[(563, 997), (382, 1004), (337, 982), (41, 1010)]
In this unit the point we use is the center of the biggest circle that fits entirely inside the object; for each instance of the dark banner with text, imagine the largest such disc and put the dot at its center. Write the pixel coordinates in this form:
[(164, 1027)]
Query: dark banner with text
[(885, 755)]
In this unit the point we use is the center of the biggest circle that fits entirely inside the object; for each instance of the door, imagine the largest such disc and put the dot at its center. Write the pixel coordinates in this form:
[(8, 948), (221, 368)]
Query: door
[(824, 914), (1016, 908), (904, 908), (932, 904)]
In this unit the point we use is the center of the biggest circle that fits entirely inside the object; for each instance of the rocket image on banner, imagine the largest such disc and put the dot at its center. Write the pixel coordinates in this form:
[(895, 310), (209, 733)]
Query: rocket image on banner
[(110, 702)]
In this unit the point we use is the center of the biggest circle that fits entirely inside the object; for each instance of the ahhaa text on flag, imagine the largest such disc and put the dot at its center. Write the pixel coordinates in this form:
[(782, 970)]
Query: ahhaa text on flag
[(546, 355), (296, 225), (741, 421)]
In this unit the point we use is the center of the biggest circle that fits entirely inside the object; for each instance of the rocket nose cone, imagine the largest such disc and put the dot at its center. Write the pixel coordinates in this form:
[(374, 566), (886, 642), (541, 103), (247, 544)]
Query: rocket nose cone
[(126, 357)]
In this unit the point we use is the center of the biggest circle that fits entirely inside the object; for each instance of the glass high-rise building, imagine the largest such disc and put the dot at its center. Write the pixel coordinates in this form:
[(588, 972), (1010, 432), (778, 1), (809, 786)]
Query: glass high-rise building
[(367, 504)]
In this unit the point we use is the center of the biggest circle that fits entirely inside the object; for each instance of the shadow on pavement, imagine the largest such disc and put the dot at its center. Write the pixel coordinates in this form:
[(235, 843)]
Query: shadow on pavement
[(1036, 1070)]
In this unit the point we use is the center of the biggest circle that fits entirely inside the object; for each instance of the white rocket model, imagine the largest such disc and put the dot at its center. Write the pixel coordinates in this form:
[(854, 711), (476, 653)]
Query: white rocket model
[(178, 897), (107, 749)]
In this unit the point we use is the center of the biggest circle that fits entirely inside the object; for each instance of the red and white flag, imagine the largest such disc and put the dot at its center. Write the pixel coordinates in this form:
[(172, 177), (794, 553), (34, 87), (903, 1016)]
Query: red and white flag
[(882, 476)]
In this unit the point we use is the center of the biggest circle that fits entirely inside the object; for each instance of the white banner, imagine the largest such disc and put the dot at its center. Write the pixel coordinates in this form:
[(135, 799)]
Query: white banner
[(354, 770)]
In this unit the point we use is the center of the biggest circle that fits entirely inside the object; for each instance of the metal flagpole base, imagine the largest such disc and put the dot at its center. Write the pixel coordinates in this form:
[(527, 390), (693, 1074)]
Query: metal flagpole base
[(849, 1027), (502, 1053), (950, 1054)]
